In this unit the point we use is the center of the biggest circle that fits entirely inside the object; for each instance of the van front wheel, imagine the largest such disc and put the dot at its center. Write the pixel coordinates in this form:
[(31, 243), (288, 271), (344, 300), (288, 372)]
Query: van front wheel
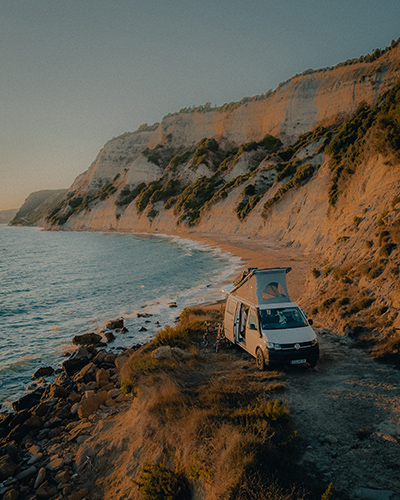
[(260, 361)]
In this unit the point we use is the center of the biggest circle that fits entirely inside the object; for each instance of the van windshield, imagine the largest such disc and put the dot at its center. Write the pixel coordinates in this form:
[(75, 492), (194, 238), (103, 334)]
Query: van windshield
[(285, 317)]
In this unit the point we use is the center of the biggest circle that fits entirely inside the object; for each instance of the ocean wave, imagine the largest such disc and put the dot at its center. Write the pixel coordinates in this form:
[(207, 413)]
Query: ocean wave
[(19, 365)]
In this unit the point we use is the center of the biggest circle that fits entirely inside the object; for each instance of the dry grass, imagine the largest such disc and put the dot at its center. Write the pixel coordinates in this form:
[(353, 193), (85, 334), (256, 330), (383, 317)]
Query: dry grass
[(211, 420), (388, 348)]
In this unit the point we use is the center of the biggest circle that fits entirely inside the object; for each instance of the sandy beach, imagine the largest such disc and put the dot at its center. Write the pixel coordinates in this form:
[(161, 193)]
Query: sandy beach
[(257, 252)]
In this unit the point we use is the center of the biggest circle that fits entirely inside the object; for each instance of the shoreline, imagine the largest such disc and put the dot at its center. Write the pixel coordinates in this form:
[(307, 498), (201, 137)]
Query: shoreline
[(237, 253), (256, 252), (253, 252)]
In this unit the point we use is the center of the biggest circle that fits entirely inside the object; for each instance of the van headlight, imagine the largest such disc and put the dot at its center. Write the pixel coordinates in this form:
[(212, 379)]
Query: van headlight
[(315, 341), (273, 345)]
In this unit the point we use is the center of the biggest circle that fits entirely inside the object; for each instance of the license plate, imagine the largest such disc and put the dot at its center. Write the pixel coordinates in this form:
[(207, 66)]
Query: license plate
[(298, 361)]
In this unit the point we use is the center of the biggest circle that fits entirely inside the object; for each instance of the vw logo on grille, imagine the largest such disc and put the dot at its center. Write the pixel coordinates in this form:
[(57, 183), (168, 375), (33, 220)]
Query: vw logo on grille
[(297, 346)]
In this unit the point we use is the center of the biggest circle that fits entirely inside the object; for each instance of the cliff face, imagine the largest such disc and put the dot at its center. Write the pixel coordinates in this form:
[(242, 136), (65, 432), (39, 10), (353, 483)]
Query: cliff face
[(36, 207), (295, 107)]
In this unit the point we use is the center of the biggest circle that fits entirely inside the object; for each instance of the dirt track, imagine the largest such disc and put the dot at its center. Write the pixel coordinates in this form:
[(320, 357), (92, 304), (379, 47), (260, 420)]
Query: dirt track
[(347, 413)]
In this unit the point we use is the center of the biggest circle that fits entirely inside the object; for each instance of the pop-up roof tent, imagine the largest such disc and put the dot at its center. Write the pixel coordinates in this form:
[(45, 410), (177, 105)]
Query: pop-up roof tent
[(262, 286)]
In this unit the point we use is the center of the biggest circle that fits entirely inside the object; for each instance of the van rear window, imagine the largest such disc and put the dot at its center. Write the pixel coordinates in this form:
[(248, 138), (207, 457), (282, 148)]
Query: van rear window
[(284, 317)]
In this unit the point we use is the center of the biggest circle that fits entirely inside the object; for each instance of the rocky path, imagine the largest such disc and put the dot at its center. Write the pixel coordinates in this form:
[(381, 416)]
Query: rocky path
[(347, 413)]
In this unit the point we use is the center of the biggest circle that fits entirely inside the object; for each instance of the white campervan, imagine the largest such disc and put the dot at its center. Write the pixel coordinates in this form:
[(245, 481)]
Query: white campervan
[(260, 317)]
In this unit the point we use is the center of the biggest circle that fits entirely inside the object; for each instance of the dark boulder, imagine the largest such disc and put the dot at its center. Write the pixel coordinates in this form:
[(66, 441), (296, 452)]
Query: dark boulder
[(55, 391), (109, 336), (115, 324), (29, 400), (40, 410), (73, 365), (87, 339), (34, 422), (7, 467), (44, 371)]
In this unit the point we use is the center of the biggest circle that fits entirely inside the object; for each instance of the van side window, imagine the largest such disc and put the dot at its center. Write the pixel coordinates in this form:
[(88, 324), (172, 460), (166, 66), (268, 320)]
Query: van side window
[(253, 320), (230, 307)]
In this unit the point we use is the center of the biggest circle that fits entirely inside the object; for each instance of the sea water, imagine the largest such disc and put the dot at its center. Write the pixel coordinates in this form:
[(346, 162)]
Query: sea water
[(55, 285)]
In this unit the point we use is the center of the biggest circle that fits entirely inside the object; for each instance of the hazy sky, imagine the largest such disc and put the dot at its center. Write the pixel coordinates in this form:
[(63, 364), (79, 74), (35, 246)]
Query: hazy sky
[(75, 73)]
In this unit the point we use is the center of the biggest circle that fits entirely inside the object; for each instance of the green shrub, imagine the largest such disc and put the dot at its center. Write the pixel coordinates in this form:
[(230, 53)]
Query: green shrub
[(387, 249), (270, 143), (203, 150), (249, 190), (157, 482), (316, 273), (303, 174), (360, 305), (327, 271), (170, 189), (174, 337), (326, 305), (245, 207), (197, 469), (145, 195), (179, 160), (192, 199), (127, 387), (144, 364), (154, 155), (127, 195), (287, 169), (225, 190), (106, 191), (170, 202), (368, 244), (152, 213), (148, 128)]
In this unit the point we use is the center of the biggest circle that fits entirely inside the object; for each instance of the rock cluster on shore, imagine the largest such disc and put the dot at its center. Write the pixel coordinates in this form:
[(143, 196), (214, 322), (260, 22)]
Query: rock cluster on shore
[(39, 439)]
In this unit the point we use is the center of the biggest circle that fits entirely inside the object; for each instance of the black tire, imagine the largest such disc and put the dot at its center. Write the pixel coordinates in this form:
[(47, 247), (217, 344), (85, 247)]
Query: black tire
[(260, 361)]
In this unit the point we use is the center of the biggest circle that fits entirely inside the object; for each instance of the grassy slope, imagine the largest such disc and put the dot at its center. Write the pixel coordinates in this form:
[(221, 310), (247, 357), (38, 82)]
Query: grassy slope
[(202, 425)]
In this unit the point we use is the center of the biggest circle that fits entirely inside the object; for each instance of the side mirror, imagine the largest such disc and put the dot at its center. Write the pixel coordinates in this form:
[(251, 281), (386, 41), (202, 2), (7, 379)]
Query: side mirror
[(310, 322)]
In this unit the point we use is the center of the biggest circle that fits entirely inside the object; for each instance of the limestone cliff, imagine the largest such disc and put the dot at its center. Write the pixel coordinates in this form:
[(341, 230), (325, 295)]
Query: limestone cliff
[(295, 107), (312, 165)]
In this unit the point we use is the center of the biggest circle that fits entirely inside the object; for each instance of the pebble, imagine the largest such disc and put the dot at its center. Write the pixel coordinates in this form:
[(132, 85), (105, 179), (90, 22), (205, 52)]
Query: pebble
[(55, 463), (63, 477), (35, 458), (40, 477), (34, 449), (331, 439), (26, 473)]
